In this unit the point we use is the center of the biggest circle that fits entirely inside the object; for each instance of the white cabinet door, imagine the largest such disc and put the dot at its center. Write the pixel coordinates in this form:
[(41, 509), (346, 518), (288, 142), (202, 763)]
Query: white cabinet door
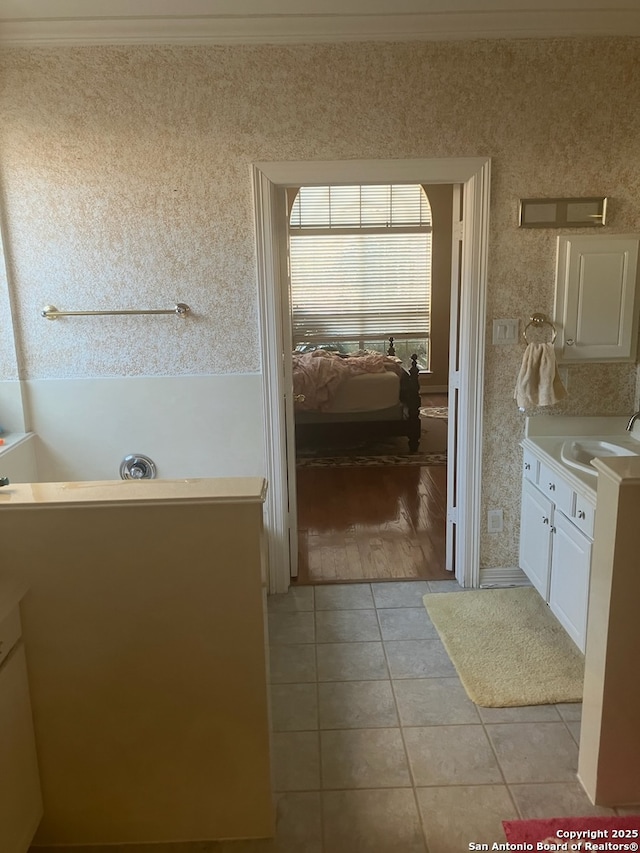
[(596, 284), (535, 537), (570, 566)]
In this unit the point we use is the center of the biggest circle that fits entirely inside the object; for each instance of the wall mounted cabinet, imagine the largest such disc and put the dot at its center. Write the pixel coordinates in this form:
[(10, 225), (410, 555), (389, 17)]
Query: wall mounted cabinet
[(595, 310)]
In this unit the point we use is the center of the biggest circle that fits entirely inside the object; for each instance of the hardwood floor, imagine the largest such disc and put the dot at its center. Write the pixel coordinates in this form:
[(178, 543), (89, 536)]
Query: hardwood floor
[(371, 523)]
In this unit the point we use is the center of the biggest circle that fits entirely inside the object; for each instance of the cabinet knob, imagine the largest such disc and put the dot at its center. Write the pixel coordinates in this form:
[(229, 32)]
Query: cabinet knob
[(581, 513), (527, 466), (570, 342), (552, 487), (545, 520)]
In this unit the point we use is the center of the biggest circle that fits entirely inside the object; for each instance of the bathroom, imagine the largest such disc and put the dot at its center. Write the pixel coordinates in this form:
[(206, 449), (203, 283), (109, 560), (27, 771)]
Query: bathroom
[(126, 184)]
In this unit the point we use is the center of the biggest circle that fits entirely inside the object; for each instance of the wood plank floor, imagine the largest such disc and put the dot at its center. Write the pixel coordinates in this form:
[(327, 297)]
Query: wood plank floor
[(378, 523)]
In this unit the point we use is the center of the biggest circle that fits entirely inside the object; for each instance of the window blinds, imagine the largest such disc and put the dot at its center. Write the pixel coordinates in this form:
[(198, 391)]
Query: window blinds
[(360, 263)]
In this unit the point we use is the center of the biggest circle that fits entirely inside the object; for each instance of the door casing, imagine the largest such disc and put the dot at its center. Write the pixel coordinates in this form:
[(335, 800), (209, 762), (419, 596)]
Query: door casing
[(269, 182)]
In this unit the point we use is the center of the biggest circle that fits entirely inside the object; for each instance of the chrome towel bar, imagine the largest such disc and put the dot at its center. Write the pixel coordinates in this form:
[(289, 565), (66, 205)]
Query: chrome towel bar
[(50, 312)]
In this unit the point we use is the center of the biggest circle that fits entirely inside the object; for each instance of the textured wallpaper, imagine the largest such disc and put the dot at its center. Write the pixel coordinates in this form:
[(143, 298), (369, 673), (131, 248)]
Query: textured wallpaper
[(125, 175)]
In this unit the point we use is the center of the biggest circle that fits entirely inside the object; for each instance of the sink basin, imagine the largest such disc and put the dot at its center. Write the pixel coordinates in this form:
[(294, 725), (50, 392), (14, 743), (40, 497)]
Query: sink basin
[(579, 452)]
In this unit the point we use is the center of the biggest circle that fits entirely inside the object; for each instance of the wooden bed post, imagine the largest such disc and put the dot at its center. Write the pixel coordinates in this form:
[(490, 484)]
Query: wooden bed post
[(392, 349), (413, 405)]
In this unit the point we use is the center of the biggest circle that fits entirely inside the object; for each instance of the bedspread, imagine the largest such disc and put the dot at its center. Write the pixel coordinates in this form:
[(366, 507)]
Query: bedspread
[(318, 374)]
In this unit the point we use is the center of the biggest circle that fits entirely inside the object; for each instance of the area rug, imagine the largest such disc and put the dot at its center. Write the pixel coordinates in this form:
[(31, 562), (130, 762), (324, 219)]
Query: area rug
[(594, 830), (434, 412), (348, 460), (508, 648), (388, 451)]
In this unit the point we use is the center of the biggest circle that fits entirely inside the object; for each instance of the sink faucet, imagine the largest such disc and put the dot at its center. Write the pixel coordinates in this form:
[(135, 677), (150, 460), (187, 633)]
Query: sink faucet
[(634, 417), (4, 481)]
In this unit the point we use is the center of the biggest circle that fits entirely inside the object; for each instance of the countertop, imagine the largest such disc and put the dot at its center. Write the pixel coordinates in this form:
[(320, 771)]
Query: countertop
[(109, 492), (545, 435)]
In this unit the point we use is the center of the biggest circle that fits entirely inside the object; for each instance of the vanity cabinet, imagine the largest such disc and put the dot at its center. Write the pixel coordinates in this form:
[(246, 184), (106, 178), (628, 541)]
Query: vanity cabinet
[(556, 538), (596, 298), (20, 798)]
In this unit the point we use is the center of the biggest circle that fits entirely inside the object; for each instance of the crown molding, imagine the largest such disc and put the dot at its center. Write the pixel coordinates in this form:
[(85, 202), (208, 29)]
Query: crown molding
[(292, 29)]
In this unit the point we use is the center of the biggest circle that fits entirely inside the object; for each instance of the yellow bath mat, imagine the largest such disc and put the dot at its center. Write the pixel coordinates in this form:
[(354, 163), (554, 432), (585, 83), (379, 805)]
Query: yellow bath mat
[(508, 648)]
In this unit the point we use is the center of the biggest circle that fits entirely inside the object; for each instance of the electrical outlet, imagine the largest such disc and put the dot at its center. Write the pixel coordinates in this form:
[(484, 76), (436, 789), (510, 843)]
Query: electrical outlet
[(494, 521)]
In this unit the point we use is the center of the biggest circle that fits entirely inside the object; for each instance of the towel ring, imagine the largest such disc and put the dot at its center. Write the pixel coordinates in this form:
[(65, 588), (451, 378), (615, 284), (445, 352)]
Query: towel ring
[(538, 320)]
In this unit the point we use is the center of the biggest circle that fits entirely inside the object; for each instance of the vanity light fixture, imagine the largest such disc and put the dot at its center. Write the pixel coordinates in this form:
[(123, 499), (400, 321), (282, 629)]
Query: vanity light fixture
[(562, 212)]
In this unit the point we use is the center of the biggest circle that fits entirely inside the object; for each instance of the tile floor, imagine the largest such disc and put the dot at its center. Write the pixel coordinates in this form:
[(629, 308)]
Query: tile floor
[(377, 748)]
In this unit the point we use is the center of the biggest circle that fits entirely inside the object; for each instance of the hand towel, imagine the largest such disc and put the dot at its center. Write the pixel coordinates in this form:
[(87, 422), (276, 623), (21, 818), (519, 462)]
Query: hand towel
[(538, 382)]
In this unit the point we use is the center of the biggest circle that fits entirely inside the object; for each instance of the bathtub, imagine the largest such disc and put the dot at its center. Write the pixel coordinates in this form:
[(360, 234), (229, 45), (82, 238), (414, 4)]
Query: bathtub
[(18, 458)]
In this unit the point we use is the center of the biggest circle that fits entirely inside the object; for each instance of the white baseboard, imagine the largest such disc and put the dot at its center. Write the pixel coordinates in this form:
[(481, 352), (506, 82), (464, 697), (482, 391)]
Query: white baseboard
[(503, 576)]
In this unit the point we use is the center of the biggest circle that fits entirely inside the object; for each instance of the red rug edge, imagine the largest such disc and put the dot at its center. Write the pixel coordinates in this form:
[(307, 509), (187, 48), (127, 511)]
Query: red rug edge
[(539, 830)]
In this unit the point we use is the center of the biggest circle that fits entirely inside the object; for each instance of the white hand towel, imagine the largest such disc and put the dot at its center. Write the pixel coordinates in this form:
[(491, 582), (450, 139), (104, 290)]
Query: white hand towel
[(538, 382)]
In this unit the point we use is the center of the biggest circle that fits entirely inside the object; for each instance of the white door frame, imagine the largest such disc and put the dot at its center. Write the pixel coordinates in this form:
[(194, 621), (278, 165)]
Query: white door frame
[(269, 181)]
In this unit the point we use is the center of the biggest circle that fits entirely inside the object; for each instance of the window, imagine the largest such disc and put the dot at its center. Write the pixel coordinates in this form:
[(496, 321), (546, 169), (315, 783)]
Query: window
[(361, 268)]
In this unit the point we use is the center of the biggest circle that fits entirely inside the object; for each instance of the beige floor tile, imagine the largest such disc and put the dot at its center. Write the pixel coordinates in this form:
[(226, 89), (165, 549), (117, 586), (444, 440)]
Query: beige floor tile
[(444, 586), (535, 752), (384, 821), (524, 714), (574, 728), (570, 711), (455, 816), (293, 664), (406, 623), (347, 626), (347, 596), (564, 799), (433, 702), (296, 761), (294, 707), (418, 659), (351, 662), (400, 594), (363, 758), (451, 755), (357, 705), (297, 598), (299, 823), (289, 628)]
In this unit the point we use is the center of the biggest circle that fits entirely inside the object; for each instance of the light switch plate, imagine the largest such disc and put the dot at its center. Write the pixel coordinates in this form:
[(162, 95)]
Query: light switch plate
[(505, 331)]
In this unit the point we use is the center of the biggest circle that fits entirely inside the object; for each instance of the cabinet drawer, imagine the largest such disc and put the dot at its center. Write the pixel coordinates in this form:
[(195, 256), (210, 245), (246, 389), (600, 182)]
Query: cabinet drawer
[(530, 467), (9, 632), (557, 489), (584, 515)]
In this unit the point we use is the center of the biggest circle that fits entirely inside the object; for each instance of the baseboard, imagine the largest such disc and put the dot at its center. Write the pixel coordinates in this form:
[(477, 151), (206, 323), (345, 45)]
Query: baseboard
[(503, 576)]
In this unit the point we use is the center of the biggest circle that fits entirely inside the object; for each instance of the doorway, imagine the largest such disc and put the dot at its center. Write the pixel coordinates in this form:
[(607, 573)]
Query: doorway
[(465, 380), (366, 261)]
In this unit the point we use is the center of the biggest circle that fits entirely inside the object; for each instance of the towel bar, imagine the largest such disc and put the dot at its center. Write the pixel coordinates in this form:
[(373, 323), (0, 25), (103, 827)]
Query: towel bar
[(50, 312)]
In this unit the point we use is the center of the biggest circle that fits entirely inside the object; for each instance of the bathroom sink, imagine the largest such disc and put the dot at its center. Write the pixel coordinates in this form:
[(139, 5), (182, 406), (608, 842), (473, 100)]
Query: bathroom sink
[(579, 452)]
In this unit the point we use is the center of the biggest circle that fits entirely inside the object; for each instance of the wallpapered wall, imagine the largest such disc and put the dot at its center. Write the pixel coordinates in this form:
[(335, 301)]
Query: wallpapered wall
[(126, 182)]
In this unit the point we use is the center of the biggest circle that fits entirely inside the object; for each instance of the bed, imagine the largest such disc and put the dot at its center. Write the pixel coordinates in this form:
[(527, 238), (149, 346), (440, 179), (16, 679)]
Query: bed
[(363, 397)]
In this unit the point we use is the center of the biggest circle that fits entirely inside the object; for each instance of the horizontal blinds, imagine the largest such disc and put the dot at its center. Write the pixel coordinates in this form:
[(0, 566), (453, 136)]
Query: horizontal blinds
[(389, 205), (359, 286)]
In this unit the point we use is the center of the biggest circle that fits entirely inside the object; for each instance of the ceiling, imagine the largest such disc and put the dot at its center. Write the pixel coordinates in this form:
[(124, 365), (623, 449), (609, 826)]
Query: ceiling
[(24, 22)]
